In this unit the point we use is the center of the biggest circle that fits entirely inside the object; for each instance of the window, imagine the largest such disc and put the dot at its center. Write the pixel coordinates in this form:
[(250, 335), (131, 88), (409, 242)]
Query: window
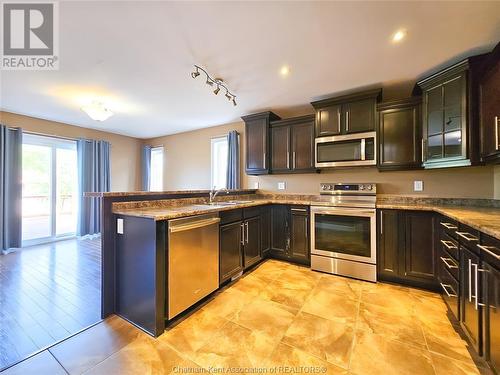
[(219, 162), (156, 169)]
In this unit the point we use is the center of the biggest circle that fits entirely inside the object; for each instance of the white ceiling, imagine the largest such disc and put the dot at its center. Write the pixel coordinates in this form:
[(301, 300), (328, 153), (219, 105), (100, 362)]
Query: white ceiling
[(136, 57)]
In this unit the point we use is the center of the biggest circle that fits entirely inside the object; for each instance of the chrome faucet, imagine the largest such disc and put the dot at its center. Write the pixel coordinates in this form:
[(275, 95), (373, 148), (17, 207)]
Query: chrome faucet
[(214, 192)]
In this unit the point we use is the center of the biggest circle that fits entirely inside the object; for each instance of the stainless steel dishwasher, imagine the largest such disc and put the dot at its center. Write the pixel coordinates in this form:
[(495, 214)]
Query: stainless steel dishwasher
[(193, 261)]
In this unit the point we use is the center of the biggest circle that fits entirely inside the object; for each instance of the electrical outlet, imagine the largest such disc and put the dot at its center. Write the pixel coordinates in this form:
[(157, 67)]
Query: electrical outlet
[(256, 185), (418, 185), (281, 185), (119, 226)]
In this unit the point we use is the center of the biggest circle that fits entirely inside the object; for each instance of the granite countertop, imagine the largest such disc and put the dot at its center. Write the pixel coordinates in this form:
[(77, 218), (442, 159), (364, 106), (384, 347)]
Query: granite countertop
[(171, 192), (484, 219)]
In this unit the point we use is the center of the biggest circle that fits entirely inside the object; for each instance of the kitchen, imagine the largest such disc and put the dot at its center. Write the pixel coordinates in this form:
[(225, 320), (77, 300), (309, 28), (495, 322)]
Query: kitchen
[(349, 230)]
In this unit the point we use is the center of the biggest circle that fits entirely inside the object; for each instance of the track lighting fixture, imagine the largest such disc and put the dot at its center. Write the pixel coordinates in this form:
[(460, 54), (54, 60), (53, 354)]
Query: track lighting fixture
[(195, 73), (211, 81)]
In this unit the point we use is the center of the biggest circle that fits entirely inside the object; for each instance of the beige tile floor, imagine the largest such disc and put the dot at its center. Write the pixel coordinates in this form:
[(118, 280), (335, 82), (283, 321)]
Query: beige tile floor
[(283, 317)]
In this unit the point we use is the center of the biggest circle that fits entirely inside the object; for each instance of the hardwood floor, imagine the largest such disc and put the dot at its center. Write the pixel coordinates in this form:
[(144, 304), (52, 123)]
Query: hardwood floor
[(47, 293)]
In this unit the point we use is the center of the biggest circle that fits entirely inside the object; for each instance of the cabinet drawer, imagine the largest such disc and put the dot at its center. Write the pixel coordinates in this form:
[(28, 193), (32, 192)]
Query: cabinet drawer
[(449, 290), (230, 216), (251, 212), (468, 237), (449, 263), (448, 226), (490, 250), (450, 245)]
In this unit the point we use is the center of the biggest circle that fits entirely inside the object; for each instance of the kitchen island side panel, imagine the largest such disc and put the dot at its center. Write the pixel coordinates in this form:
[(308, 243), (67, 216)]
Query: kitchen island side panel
[(140, 273)]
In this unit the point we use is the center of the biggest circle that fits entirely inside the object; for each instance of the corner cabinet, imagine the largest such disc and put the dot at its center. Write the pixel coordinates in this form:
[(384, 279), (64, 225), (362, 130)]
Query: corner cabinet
[(406, 248), (399, 134), (489, 108), (451, 116), (290, 238), (257, 142), (347, 114), (292, 145)]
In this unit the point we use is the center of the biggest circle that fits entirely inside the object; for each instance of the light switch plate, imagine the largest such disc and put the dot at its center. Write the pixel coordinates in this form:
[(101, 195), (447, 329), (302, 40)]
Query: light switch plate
[(418, 185), (281, 185), (119, 226), (256, 185)]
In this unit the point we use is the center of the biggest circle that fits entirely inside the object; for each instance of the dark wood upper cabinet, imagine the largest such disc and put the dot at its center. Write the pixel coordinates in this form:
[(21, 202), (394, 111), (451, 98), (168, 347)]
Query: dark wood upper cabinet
[(257, 142), (399, 134), (347, 114), (292, 145), (280, 149), (450, 111), (489, 108)]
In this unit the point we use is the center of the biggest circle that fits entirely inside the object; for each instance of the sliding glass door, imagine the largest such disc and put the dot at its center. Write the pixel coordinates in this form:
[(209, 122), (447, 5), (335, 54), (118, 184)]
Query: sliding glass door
[(49, 189)]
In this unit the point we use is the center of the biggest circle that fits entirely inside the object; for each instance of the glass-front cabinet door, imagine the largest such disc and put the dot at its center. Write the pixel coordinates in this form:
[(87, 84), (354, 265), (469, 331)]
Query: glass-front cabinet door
[(445, 122)]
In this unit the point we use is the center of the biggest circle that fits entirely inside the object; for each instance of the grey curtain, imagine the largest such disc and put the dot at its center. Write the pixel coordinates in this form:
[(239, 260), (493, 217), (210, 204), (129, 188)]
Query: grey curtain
[(93, 176), (233, 162), (146, 168), (11, 141)]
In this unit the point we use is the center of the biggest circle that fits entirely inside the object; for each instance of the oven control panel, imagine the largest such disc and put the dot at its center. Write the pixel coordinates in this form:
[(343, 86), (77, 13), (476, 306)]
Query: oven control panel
[(338, 188)]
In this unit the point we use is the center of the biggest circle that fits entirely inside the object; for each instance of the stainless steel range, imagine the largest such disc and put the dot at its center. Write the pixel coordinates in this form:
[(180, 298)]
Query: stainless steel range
[(343, 231)]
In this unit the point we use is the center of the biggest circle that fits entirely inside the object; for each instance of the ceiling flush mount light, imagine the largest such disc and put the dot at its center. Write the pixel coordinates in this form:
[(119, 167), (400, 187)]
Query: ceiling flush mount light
[(398, 36), (219, 82), (285, 71), (97, 111)]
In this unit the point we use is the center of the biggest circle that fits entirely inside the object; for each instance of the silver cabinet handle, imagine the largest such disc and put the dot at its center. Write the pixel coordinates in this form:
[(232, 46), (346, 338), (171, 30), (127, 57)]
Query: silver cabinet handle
[(422, 145), (448, 246), (445, 288), (363, 149), (246, 231), (242, 226), (346, 121), (338, 117), (381, 222), (288, 160), (293, 160), (450, 266), (476, 286), (448, 225), (470, 280), (490, 250), (298, 209), (265, 161), (467, 236), (497, 141)]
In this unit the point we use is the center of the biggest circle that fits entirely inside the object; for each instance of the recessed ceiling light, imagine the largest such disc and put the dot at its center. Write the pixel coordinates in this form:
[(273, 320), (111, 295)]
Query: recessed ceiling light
[(399, 36), (285, 70)]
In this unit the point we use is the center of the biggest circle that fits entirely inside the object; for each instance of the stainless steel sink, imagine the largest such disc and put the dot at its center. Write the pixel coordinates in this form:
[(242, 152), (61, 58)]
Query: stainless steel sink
[(239, 202), (215, 204)]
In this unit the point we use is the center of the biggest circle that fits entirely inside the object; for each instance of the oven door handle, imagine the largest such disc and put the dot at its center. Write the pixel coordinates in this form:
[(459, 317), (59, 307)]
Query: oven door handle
[(354, 212)]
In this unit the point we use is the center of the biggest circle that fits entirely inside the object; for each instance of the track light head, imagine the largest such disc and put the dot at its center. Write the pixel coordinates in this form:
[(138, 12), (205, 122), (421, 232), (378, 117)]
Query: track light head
[(195, 74), (228, 96), (209, 82), (216, 91), (234, 102)]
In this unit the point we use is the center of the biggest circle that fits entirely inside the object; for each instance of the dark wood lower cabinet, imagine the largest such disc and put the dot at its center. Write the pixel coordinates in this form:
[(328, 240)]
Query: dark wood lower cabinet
[(491, 293), (265, 231), (470, 309), (252, 241), (290, 233), (406, 249), (231, 259)]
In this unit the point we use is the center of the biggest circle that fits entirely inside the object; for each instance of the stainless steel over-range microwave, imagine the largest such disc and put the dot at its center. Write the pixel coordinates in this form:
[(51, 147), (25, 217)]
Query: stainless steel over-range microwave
[(346, 150)]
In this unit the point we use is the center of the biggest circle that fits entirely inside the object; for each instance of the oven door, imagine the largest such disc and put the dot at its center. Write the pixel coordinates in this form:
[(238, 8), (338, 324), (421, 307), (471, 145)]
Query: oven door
[(344, 233), (346, 150)]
